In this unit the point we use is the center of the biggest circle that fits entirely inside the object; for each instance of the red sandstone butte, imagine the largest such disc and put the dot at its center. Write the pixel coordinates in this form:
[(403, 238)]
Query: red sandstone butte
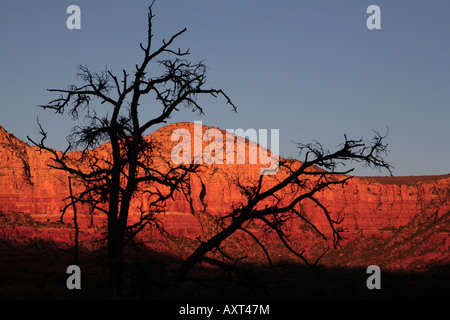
[(367, 205)]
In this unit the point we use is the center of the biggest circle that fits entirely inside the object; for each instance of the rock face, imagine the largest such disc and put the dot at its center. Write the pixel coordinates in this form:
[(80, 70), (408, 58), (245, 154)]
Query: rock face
[(27, 184), (366, 205)]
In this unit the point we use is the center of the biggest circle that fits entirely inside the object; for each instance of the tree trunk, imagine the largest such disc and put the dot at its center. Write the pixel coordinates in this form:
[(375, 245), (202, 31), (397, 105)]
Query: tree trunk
[(115, 257), (116, 244)]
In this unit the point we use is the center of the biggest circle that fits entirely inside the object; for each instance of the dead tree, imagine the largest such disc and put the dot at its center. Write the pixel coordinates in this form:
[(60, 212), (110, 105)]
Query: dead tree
[(276, 204), (111, 179)]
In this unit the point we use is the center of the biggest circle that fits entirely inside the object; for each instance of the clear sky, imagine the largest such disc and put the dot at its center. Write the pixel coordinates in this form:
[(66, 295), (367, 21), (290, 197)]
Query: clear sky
[(310, 68)]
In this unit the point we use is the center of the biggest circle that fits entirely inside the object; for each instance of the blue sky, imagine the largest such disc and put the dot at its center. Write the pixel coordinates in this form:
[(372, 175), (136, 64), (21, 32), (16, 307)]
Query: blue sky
[(311, 69)]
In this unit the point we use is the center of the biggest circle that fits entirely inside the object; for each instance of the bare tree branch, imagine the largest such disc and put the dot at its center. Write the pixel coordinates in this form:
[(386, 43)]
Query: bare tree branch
[(300, 181)]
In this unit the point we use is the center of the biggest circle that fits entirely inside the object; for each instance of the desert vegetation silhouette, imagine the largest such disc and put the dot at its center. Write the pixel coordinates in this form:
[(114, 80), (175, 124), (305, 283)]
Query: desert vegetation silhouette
[(107, 110)]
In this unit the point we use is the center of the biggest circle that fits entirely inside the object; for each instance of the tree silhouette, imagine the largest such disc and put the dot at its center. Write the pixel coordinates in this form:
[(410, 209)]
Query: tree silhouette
[(271, 206), (111, 179), (115, 161)]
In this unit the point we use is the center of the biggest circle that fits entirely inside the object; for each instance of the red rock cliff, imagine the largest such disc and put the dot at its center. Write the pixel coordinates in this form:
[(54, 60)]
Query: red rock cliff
[(367, 205)]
